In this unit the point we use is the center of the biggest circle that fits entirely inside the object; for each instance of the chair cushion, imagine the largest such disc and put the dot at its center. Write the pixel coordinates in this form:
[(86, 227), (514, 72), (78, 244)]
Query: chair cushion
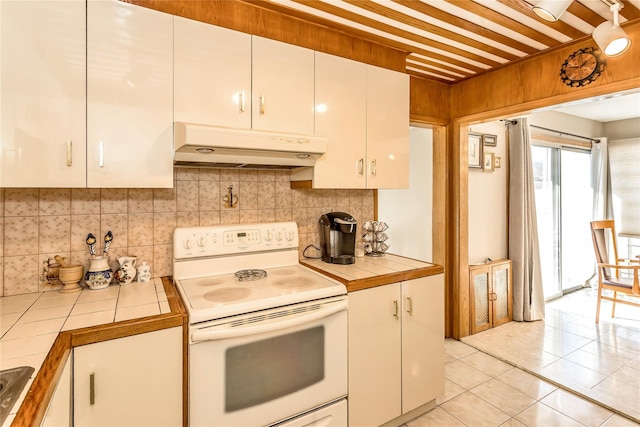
[(622, 282)]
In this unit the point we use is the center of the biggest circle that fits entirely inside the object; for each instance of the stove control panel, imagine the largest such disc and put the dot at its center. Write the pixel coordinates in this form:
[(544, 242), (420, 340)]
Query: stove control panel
[(195, 242)]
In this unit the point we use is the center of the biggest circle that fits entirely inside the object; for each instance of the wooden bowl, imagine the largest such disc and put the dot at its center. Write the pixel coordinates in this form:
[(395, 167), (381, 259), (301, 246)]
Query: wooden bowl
[(70, 276)]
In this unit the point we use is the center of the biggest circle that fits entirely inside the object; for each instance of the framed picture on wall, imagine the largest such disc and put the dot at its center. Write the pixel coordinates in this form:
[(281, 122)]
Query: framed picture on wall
[(488, 164), (490, 140), (475, 150)]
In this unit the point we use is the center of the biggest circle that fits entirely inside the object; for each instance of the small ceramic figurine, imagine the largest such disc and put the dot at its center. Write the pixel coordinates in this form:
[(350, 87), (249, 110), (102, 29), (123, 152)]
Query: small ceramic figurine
[(127, 271), (144, 272)]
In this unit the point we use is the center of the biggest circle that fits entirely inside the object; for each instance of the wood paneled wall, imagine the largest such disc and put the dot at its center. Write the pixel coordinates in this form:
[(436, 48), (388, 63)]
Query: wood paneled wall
[(535, 83), (430, 101)]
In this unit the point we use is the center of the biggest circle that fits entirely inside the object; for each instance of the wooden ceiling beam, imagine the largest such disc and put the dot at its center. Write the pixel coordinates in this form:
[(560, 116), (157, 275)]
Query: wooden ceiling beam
[(505, 21), (562, 27), (587, 15), (630, 11), (463, 24), (354, 17), (444, 67), (425, 26)]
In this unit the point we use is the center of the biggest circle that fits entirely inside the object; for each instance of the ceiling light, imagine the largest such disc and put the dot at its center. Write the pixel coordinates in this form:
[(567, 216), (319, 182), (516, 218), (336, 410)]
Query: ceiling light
[(612, 39), (551, 10)]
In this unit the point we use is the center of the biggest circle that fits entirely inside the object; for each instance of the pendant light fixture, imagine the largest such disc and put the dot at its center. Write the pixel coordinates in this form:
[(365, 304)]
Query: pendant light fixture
[(612, 39), (551, 10)]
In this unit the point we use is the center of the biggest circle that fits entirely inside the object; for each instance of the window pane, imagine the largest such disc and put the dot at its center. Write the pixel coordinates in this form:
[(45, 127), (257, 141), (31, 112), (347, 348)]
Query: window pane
[(545, 175), (577, 201)]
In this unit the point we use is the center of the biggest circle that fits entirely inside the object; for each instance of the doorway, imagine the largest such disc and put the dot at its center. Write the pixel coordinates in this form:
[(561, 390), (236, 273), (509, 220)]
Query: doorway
[(564, 200)]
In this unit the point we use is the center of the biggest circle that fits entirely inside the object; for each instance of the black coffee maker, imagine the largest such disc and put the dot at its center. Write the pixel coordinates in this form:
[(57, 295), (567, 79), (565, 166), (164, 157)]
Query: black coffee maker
[(338, 238)]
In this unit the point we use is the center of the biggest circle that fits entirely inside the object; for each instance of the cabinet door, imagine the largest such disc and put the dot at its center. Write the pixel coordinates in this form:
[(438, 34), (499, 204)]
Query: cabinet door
[(43, 94), (374, 356), (137, 380), (341, 116), (282, 86), (212, 75), (480, 298), (502, 298), (422, 341), (59, 411), (129, 96), (387, 128)]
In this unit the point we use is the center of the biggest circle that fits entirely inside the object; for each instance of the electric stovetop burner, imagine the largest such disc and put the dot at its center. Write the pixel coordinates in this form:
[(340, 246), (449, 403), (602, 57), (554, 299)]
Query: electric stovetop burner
[(252, 274)]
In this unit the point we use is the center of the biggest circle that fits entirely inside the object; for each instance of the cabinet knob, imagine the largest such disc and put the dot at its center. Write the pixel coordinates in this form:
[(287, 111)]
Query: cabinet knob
[(242, 102), (373, 168), (395, 308), (262, 105), (410, 306)]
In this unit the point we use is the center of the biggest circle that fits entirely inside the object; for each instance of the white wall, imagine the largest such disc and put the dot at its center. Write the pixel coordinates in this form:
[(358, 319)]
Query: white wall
[(408, 212), (622, 129), (566, 123), (488, 202)]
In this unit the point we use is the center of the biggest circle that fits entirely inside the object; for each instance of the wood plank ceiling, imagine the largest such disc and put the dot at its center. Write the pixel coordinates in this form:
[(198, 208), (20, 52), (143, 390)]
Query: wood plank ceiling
[(450, 40)]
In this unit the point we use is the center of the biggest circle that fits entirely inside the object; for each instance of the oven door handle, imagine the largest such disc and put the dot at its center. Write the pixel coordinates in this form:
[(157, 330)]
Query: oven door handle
[(210, 335)]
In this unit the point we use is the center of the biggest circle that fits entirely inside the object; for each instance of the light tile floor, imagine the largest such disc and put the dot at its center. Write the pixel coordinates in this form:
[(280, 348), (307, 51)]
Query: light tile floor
[(481, 390), (600, 362)]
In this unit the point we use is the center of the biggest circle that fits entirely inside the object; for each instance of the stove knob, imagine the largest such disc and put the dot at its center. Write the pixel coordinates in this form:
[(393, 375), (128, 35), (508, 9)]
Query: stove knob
[(289, 235), (269, 236), (201, 242), (279, 236), (187, 244)]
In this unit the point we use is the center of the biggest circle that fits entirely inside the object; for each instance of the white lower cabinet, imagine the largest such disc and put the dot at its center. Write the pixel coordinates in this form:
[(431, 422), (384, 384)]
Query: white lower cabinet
[(59, 411), (396, 349), (131, 381)]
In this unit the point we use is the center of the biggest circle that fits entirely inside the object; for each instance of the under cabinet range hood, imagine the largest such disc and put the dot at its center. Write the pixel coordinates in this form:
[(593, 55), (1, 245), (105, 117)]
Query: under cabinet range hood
[(210, 146)]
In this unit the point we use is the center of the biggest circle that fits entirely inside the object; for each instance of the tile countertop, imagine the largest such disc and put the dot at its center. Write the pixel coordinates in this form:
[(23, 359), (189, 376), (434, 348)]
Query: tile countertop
[(30, 324), (368, 272)]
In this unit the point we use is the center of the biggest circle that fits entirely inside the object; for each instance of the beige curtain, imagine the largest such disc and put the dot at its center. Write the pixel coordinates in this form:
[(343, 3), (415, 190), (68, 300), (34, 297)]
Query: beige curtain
[(528, 296)]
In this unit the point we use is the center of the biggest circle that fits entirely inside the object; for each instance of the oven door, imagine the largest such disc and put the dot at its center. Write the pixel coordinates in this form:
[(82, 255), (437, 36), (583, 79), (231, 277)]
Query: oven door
[(267, 366)]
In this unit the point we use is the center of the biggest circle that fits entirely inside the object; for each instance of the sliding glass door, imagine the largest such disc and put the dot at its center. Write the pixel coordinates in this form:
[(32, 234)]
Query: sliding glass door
[(563, 207)]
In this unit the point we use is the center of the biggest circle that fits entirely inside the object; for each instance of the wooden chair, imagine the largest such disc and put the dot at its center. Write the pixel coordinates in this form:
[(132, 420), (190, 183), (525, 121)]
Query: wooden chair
[(602, 233)]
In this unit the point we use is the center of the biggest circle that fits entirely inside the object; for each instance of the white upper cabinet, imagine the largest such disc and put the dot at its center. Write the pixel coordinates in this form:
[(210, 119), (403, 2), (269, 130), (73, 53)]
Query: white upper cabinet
[(387, 128), (364, 112), (212, 75), (341, 116), (42, 94), (129, 96), (282, 86)]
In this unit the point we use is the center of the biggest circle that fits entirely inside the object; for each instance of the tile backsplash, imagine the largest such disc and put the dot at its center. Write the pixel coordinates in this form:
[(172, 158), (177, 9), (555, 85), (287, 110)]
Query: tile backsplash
[(39, 223)]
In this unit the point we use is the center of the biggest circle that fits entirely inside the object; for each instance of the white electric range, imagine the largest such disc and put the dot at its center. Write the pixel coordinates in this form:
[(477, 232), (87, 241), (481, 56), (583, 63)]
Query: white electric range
[(268, 336)]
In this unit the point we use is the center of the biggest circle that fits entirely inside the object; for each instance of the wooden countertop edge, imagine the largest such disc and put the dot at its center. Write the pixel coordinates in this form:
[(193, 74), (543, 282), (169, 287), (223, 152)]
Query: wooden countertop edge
[(379, 280), (36, 401)]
